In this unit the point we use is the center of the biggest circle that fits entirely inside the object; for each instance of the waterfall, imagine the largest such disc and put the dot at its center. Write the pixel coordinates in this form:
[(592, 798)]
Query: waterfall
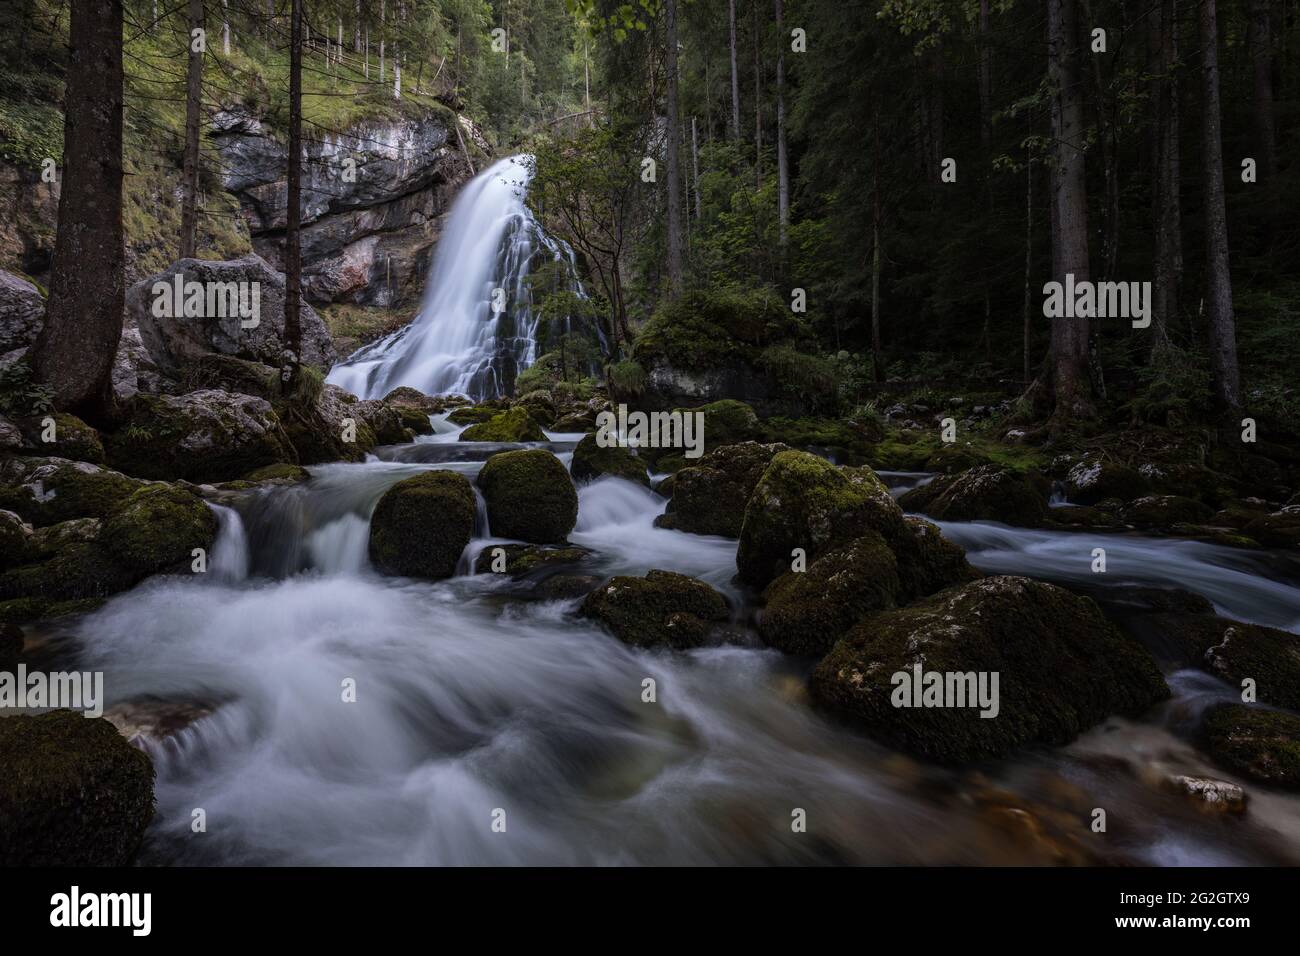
[(477, 326)]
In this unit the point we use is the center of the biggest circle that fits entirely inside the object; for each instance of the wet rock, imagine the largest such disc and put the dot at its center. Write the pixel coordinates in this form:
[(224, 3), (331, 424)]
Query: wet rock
[(158, 528), (515, 425), (154, 719), (566, 587), (283, 474), (74, 792), (518, 560), (1061, 669), (540, 405), (406, 397), (583, 421), (203, 436), (414, 420), (529, 496), (422, 524), (15, 540), (1081, 516), (984, 493), (71, 438), (1235, 651), (662, 609), (1262, 745), (710, 497), (927, 561), (49, 490), (1094, 479), (474, 414), (1214, 796), (807, 612), (383, 421), (1164, 511), (802, 501), (1281, 529), (22, 312), (320, 427), (591, 461)]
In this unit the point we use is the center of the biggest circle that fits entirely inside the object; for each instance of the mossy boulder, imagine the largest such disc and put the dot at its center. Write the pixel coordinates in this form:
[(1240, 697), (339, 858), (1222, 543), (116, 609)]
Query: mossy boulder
[(412, 398), (1061, 667), (15, 540), (208, 435), (49, 490), (231, 374), (157, 529), (384, 421), (422, 524), (807, 611), (282, 473), (540, 404), (415, 420), (927, 561), (726, 422), (77, 572), (1262, 745), (573, 422), (74, 792), (473, 414), (1095, 479), (591, 461), (1281, 529), (802, 501), (529, 496), (710, 497), (1164, 511), (515, 425), (984, 493), (520, 560), (326, 427), (69, 436), (662, 609), (1235, 651)]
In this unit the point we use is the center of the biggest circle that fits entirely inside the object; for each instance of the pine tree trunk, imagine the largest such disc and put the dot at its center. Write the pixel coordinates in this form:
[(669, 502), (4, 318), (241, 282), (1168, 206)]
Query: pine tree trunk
[(1167, 169), (877, 352), (695, 167), (190, 161), (292, 239), (782, 162), (1027, 318), (1260, 45), (735, 79), (1218, 295), (76, 347), (1070, 339), (758, 106), (673, 160)]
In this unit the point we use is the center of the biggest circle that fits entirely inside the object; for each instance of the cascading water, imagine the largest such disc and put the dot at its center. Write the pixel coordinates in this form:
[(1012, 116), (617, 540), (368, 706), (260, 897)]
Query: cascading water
[(477, 327)]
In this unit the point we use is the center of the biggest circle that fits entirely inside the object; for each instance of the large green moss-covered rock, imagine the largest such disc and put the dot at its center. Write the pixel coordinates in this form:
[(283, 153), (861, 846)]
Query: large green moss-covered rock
[(208, 435), (710, 497), (158, 528), (515, 425), (529, 496), (591, 461), (803, 501), (422, 524), (985, 493), (662, 609), (1236, 651), (326, 427), (1263, 745), (1061, 668), (1095, 479), (927, 561), (808, 611), (69, 437), (73, 792), (519, 560), (49, 490)]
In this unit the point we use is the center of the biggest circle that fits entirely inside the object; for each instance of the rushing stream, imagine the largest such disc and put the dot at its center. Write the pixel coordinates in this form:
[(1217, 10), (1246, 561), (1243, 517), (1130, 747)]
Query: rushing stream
[(472, 698)]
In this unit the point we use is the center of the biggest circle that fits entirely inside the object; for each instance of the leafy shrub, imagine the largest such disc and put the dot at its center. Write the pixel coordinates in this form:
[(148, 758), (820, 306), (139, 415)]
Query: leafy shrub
[(813, 379), (627, 377)]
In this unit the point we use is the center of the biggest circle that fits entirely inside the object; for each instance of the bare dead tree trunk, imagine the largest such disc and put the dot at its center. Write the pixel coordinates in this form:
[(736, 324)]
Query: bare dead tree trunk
[(193, 105), (1070, 340), (673, 160), (735, 79), (1218, 297), (76, 347), (292, 238)]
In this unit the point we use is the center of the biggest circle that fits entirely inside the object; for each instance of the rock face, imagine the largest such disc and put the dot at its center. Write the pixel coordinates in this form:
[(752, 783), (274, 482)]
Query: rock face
[(1260, 744), (984, 493), (529, 496), (590, 461), (1061, 668), (710, 498), (373, 198), (802, 501), (208, 435), (22, 312), (175, 342), (74, 792), (422, 524), (662, 609)]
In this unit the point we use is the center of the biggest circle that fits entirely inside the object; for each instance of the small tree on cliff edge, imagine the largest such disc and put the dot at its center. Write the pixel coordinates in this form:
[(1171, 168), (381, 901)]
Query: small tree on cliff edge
[(76, 347)]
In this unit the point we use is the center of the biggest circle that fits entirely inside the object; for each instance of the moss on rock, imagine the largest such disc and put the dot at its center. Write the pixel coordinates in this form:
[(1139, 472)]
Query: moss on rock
[(983, 493), (1236, 651), (157, 529), (1095, 479), (662, 609), (71, 438), (49, 490), (282, 473), (927, 561), (515, 425), (422, 524), (710, 497), (802, 501), (1263, 745), (518, 560), (15, 540), (1164, 511), (529, 496), (591, 461), (1061, 666), (74, 792)]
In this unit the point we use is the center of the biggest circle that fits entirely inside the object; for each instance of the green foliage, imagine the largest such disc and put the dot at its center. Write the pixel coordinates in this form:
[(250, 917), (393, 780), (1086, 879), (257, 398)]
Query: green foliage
[(627, 378), (705, 328), (813, 379), (1175, 389), (20, 395)]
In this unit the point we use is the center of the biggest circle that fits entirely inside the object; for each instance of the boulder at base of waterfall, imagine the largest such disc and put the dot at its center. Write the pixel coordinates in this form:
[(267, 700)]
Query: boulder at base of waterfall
[(385, 423), (515, 425), (804, 502), (61, 435), (158, 528), (1095, 479), (518, 560), (591, 461), (202, 436), (529, 495), (404, 396), (1262, 745), (1235, 651), (709, 497), (74, 792), (662, 609), (1060, 667), (327, 427), (49, 490), (985, 493), (413, 419), (177, 341), (422, 524)]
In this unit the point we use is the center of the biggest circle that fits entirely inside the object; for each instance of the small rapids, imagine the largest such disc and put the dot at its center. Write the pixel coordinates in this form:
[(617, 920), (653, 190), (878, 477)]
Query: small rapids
[(470, 700)]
